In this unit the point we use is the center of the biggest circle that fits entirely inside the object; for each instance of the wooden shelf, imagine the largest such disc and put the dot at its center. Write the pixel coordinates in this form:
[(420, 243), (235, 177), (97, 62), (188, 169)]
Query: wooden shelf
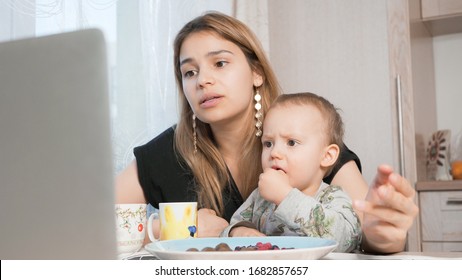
[(443, 26), (439, 185), (442, 16)]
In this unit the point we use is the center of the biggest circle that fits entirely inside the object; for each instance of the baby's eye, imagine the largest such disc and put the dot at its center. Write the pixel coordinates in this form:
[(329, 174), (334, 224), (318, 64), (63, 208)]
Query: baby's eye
[(267, 144), (291, 143), (221, 63)]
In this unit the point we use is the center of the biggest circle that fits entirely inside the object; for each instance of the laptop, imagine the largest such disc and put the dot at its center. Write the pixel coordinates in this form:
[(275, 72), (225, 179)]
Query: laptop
[(56, 175)]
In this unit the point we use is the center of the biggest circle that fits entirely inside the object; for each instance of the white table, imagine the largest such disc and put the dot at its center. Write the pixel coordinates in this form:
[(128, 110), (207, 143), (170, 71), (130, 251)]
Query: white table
[(143, 254)]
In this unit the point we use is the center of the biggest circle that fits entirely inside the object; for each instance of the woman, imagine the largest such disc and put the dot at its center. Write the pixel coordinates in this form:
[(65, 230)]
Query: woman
[(226, 85)]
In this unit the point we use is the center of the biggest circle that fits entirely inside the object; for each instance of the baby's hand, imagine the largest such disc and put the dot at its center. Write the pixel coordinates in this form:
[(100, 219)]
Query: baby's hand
[(244, 232), (273, 185)]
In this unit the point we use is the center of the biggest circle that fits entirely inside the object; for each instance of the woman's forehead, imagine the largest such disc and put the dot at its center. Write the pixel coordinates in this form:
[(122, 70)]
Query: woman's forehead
[(206, 39)]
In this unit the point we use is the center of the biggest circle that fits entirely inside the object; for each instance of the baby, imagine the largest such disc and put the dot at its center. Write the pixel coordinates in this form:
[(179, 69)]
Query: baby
[(302, 138)]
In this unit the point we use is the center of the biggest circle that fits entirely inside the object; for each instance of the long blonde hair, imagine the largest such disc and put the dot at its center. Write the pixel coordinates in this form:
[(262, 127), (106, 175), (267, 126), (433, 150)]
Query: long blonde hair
[(207, 165)]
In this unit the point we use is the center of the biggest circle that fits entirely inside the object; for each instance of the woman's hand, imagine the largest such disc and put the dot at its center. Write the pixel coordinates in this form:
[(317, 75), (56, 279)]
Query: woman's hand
[(209, 224), (244, 232), (389, 211)]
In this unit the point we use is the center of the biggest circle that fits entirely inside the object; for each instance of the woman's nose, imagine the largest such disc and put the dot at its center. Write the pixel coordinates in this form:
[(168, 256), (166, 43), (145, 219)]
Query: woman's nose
[(205, 77)]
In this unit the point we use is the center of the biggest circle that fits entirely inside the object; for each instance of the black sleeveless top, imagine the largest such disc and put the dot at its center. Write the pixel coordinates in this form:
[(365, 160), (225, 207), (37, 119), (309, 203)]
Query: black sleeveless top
[(164, 177)]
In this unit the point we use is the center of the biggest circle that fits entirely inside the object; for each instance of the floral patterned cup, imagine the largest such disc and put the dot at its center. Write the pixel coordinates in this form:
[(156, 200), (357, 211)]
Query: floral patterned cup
[(131, 228)]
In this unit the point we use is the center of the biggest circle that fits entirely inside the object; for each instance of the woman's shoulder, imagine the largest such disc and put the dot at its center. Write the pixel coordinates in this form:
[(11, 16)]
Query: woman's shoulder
[(161, 172), (163, 141), (159, 155), (346, 155), (159, 149)]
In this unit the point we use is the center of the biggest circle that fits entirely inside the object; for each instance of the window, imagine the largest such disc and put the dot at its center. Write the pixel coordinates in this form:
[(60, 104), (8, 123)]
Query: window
[(139, 37)]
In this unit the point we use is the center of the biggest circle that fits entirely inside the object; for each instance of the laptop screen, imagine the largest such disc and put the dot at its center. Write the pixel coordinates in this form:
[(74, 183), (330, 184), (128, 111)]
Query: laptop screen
[(56, 175)]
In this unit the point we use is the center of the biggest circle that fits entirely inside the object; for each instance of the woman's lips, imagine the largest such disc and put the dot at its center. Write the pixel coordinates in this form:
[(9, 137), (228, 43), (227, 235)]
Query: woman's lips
[(210, 101)]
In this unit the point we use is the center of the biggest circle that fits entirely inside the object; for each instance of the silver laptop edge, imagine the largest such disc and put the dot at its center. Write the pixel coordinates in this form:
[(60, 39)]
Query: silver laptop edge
[(56, 174)]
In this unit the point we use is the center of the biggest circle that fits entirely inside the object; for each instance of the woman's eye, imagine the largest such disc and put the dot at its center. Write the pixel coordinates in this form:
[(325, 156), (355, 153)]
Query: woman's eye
[(291, 143), (189, 73), (221, 63)]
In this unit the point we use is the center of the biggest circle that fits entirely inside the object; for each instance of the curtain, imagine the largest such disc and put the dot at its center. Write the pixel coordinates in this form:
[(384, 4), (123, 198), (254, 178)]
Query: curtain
[(156, 94), (139, 37)]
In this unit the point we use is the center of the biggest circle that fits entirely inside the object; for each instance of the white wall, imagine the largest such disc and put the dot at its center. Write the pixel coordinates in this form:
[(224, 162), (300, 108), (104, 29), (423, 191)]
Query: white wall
[(448, 79), (339, 49)]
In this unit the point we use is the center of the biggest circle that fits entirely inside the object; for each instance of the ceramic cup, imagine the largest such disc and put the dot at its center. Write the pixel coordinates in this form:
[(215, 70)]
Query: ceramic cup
[(177, 220), (131, 228)]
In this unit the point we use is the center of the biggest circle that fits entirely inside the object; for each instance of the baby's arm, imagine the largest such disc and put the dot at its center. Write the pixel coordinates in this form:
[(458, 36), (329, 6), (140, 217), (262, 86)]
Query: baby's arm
[(241, 221), (330, 216)]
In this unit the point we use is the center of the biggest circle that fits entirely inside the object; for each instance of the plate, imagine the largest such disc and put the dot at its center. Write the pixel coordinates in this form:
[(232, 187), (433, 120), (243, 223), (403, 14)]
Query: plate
[(308, 248)]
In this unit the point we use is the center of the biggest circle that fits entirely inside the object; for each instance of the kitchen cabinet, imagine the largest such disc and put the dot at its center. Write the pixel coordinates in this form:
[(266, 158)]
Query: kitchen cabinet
[(441, 9), (441, 215), (442, 16), (372, 59)]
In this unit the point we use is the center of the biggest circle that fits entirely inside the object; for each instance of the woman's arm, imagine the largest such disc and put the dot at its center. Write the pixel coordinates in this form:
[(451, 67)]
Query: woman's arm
[(128, 190), (209, 224), (127, 185), (389, 212), (387, 209), (352, 182)]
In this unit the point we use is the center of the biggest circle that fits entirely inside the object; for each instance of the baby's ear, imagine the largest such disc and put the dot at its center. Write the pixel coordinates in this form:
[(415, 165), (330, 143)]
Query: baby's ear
[(331, 154)]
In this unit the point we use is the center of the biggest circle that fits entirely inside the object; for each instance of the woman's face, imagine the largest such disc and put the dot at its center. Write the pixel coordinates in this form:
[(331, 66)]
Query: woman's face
[(217, 79)]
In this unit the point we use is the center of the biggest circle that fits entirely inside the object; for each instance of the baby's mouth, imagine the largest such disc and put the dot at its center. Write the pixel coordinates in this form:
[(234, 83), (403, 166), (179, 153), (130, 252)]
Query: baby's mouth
[(277, 168)]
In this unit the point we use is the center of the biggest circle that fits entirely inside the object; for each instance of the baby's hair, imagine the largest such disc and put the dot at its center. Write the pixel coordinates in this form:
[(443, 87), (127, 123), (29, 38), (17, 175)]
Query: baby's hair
[(333, 121)]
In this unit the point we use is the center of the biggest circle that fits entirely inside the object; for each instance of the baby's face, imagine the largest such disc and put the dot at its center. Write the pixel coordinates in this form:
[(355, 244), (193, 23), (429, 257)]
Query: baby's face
[(294, 141)]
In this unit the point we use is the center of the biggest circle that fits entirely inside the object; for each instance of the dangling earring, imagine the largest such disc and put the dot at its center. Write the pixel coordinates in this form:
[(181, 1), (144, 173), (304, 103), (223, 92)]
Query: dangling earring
[(259, 114), (194, 133)]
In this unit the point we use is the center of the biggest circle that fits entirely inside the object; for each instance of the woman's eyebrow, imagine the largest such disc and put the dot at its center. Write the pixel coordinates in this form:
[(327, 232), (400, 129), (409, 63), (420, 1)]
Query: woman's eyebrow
[(209, 54), (213, 53), (186, 60)]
